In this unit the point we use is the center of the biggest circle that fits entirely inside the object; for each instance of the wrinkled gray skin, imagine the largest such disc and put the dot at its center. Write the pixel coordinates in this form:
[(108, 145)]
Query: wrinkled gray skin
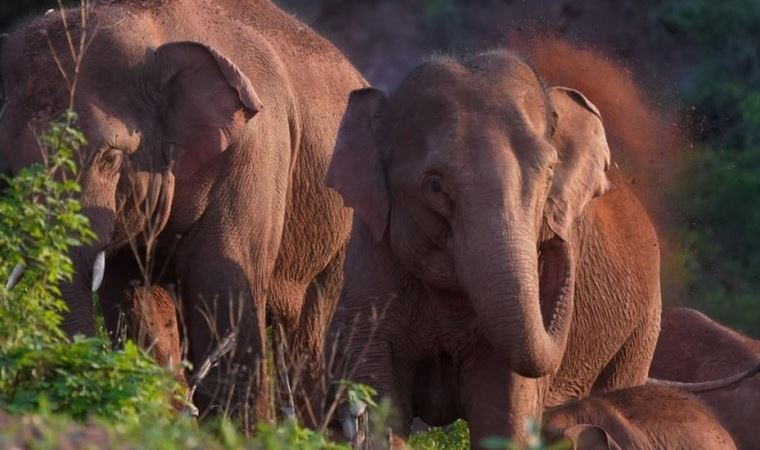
[(210, 125), (641, 418), (500, 283)]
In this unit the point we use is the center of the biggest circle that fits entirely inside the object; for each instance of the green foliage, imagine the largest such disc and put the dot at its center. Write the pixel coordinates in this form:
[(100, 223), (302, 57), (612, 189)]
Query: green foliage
[(290, 436), (453, 437), (719, 191), (457, 437), (40, 222), (84, 378), (357, 392)]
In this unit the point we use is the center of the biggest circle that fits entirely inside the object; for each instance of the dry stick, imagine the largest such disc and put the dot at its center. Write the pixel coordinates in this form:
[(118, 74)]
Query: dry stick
[(77, 57), (219, 352), (205, 310), (58, 61), (282, 371)]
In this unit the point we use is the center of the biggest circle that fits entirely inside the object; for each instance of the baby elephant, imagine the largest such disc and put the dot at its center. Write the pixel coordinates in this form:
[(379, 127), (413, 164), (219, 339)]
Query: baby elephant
[(640, 418)]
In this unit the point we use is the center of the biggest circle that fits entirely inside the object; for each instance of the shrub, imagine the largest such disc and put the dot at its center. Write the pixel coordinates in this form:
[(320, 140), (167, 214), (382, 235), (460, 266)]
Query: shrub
[(41, 222)]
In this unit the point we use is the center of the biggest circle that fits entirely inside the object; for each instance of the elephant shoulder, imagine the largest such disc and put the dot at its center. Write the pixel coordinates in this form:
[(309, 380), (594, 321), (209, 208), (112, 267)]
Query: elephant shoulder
[(620, 215)]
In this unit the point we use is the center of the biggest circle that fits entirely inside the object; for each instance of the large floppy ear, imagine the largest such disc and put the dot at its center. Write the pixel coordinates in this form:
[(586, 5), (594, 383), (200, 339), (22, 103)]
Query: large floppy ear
[(584, 158), (356, 170), (590, 437), (206, 102)]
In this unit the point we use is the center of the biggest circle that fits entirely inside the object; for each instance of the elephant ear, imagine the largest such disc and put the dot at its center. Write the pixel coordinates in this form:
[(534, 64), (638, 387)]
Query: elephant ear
[(356, 170), (584, 158), (590, 437), (207, 102)]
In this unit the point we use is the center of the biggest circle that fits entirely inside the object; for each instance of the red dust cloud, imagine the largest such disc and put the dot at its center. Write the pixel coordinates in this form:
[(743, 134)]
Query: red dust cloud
[(646, 141)]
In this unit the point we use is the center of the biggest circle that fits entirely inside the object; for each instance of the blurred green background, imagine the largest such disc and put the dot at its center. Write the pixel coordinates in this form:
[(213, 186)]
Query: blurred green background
[(698, 57)]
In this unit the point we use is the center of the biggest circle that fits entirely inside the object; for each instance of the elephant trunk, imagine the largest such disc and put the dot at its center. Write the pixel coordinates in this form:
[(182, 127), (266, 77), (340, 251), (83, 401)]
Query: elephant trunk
[(148, 203), (80, 318), (89, 267), (513, 288), (98, 202)]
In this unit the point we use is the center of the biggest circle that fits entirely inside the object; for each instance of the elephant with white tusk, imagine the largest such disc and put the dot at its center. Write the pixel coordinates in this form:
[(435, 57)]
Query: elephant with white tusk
[(210, 126)]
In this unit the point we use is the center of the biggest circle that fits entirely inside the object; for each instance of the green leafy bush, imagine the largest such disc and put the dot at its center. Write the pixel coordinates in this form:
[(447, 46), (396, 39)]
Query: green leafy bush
[(40, 221), (453, 437)]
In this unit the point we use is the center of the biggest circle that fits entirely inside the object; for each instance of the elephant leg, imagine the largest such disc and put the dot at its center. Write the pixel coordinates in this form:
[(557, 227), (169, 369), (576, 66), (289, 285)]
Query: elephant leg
[(630, 365), (219, 302), (285, 302), (308, 340), (496, 401), (394, 383)]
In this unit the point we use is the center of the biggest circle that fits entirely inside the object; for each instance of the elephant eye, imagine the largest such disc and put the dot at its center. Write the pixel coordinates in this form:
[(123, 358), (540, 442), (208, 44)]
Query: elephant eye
[(109, 159), (434, 184), (435, 194)]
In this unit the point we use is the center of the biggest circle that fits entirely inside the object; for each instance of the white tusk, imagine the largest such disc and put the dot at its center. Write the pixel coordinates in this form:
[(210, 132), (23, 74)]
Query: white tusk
[(357, 408), (350, 422), (350, 425), (15, 276), (98, 270), (49, 12)]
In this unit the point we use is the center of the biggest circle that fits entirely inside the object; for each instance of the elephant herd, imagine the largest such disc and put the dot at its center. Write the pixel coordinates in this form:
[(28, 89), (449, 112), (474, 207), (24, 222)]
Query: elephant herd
[(498, 267)]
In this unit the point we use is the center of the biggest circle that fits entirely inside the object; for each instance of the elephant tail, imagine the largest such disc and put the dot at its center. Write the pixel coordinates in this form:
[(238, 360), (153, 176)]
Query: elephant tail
[(707, 386)]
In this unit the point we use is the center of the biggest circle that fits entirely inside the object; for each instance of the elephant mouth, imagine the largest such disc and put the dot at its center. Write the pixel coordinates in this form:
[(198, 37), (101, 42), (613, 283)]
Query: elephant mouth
[(555, 266)]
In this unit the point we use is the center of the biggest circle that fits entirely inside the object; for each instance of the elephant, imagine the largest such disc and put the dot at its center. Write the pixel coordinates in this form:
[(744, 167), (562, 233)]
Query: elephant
[(641, 418), (694, 348), (210, 127), (491, 269)]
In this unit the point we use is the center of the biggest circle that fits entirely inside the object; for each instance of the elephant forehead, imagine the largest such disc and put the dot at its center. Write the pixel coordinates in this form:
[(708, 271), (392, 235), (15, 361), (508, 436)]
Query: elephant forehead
[(105, 127)]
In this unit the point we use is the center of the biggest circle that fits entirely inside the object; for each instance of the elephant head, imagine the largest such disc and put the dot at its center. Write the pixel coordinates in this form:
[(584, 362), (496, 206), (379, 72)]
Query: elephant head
[(476, 175), (156, 116)]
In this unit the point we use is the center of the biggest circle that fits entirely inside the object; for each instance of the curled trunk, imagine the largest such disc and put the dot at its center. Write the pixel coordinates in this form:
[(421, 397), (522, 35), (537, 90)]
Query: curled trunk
[(510, 292)]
